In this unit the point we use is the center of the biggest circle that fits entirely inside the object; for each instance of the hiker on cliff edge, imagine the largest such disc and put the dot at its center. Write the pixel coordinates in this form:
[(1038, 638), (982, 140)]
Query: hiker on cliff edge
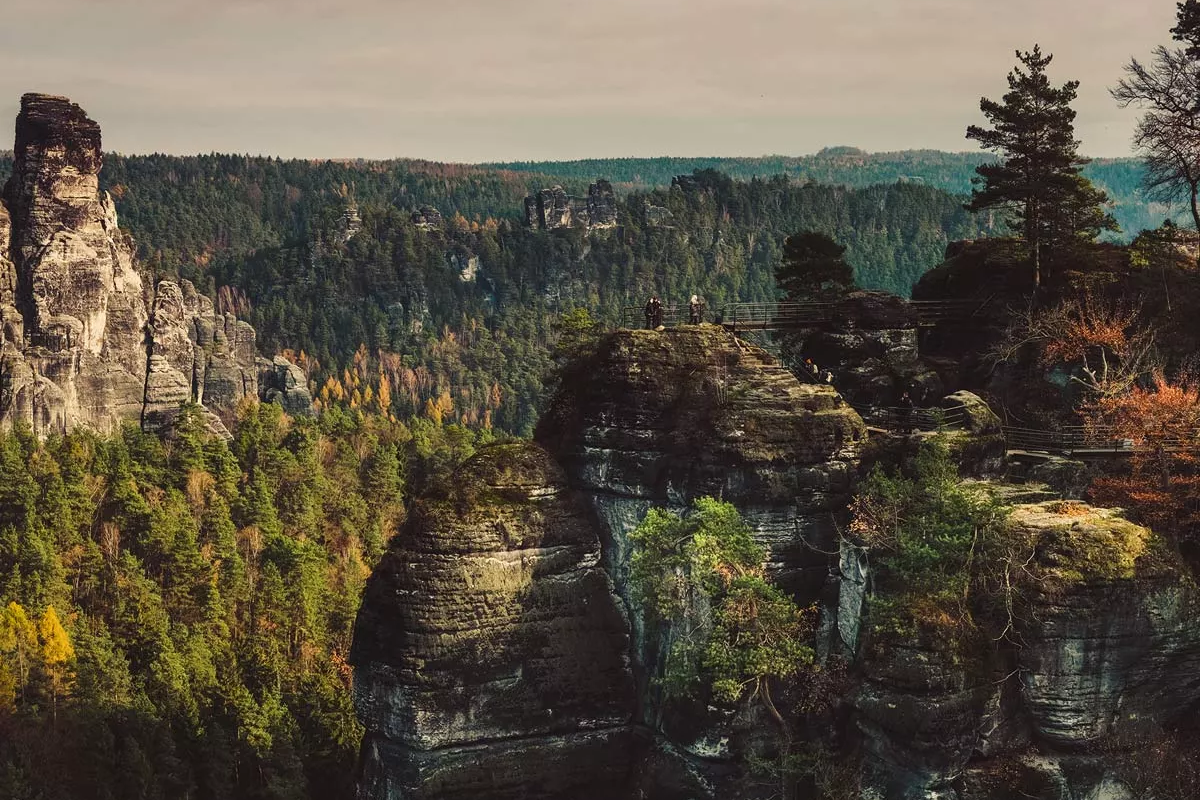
[(651, 313), (814, 372), (695, 310)]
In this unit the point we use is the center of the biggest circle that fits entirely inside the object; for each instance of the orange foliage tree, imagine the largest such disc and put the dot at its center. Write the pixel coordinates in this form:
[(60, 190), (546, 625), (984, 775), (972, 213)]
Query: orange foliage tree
[(1105, 342), (1162, 422)]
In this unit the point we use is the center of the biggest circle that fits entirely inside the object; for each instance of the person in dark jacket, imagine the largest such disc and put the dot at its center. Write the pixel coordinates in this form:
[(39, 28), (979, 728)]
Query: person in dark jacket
[(905, 411), (695, 310), (653, 312), (814, 372)]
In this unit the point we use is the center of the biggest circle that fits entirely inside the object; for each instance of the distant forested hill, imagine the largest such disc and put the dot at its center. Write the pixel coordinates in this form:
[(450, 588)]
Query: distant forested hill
[(849, 166), (465, 315)]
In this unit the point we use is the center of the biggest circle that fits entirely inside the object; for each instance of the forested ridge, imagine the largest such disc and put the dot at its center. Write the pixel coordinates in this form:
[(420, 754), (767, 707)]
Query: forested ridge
[(458, 320)]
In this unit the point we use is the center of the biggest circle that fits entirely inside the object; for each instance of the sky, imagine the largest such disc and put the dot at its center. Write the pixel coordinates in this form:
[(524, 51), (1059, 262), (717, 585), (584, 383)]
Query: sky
[(490, 80)]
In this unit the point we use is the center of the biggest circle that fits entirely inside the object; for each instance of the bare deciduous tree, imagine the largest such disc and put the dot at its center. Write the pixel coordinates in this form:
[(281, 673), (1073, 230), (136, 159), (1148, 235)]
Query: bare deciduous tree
[(1106, 343), (1168, 136)]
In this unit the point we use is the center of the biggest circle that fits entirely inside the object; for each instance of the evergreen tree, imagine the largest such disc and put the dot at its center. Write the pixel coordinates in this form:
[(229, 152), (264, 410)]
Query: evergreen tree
[(1187, 29), (813, 267), (1039, 179)]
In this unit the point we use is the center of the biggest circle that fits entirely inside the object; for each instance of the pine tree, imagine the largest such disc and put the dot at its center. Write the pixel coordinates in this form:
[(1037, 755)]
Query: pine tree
[(1039, 178), (813, 267), (1188, 28)]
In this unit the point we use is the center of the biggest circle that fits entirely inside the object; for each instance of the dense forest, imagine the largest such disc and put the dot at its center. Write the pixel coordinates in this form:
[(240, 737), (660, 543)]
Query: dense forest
[(209, 590), (458, 318), (464, 315)]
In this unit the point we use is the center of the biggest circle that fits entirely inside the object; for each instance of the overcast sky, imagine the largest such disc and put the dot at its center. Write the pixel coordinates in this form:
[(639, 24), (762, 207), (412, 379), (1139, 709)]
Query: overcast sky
[(480, 80)]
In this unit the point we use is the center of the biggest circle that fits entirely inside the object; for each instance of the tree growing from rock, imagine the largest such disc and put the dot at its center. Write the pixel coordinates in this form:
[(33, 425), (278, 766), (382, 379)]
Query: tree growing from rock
[(734, 635), (1038, 181)]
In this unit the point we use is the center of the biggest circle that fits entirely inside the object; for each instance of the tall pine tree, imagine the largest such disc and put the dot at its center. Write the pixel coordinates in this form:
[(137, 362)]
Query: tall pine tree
[(813, 267), (1039, 180)]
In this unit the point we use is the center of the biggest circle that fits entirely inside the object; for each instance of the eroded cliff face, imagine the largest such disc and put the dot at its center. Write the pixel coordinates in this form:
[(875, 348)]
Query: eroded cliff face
[(1101, 652), (495, 656), (491, 652), (659, 418), (1102, 655), (85, 340)]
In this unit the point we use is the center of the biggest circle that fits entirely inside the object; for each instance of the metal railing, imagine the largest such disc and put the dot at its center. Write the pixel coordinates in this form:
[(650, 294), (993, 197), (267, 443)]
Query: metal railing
[(913, 419), (793, 315), (635, 316)]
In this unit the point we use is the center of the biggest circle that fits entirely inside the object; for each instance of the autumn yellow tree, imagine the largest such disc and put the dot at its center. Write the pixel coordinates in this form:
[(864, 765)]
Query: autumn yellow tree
[(56, 654), (18, 648)]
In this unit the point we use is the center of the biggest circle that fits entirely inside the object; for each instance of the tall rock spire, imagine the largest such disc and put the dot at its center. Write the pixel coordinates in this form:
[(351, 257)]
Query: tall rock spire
[(78, 342)]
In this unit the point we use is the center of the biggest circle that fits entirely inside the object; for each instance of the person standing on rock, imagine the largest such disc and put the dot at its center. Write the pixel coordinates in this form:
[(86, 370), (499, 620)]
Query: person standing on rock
[(814, 372), (658, 312), (695, 310), (649, 311), (905, 411)]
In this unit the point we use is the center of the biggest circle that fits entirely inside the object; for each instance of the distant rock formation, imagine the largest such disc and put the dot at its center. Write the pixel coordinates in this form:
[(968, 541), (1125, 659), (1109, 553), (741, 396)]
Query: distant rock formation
[(350, 223), (84, 340), (427, 218), (553, 208)]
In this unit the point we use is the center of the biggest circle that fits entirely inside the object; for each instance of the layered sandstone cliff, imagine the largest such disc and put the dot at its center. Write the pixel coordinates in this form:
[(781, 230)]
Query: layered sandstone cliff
[(1102, 656), (491, 653), (84, 338)]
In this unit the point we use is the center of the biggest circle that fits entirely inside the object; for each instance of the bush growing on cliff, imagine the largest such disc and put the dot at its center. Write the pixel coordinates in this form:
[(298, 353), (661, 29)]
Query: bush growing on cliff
[(933, 537), (732, 631)]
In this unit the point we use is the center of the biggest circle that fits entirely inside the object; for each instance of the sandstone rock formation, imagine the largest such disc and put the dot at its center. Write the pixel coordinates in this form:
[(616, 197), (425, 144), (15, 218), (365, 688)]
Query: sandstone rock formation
[(1102, 648), (661, 418), (494, 654), (85, 340), (871, 345), (1101, 654), (491, 654), (428, 218), (553, 208)]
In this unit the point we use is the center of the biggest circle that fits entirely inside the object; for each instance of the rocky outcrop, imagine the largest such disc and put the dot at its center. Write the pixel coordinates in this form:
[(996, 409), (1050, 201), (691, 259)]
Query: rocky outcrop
[(428, 218), (664, 417), (870, 343), (281, 381), (85, 340), (551, 209), (350, 223), (490, 652), (1102, 656), (659, 418)]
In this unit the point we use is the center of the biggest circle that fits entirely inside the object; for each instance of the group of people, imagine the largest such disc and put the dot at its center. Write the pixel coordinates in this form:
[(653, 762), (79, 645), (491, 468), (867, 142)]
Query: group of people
[(816, 374), (654, 312)]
